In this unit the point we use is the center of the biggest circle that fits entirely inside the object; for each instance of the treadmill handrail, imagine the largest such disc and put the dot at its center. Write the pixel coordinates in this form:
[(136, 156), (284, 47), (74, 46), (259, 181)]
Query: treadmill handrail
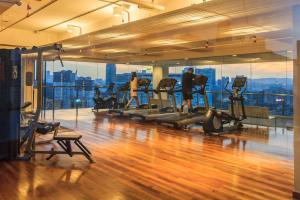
[(226, 88), (244, 90)]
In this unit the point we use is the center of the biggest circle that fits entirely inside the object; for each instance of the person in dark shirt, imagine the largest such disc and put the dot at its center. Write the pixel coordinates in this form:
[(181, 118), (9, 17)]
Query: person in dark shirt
[(187, 88)]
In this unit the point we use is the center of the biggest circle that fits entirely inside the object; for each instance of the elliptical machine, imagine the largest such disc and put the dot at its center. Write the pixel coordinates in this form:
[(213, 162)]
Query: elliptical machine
[(102, 102), (216, 119)]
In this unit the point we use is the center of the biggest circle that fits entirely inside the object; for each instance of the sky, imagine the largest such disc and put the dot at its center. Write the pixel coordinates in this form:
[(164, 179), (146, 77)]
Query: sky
[(251, 70)]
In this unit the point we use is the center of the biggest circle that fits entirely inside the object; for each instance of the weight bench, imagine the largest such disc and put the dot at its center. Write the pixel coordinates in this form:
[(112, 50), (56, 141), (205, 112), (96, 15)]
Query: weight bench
[(65, 142)]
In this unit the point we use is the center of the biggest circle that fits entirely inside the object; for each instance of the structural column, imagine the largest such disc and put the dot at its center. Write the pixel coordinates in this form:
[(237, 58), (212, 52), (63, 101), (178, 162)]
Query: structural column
[(297, 121), (159, 72), (296, 21)]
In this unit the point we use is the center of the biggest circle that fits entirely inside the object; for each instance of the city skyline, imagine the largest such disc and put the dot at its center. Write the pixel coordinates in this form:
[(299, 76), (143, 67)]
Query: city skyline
[(67, 96), (251, 70)]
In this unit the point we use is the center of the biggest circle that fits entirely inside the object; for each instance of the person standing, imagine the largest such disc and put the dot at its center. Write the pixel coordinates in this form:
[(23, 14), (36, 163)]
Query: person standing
[(187, 89), (133, 90)]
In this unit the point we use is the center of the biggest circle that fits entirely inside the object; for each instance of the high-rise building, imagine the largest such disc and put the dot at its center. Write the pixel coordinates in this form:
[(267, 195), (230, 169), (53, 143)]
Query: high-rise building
[(85, 82), (221, 83), (210, 73), (111, 72), (64, 76), (85, 91), (121, 79), (49, 77), (64, 92)]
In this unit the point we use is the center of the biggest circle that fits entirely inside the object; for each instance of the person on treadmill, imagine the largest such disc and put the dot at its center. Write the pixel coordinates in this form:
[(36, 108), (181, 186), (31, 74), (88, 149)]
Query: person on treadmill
[(133, 90), (187, 89)]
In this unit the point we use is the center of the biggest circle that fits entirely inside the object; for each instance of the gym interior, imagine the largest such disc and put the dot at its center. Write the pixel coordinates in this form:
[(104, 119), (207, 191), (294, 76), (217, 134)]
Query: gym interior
[(149, 99)]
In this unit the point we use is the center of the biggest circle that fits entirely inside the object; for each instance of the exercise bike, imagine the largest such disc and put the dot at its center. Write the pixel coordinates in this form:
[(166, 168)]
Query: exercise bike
[(103, 102), (216, 119)]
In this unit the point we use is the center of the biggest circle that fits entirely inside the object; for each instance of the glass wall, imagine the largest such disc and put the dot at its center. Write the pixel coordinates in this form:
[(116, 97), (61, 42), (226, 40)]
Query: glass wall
[(270, 84), (73, 85)]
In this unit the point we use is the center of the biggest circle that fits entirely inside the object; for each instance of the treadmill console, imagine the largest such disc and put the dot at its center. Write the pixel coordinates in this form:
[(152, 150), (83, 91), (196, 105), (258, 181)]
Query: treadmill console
[(239, 82), (166, 83), (144, 82), (200, 80), (124, 87), (143, 85)]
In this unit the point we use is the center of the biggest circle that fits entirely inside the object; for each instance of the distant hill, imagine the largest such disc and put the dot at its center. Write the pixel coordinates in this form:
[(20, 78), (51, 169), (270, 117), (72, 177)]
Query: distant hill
[(268, 83)]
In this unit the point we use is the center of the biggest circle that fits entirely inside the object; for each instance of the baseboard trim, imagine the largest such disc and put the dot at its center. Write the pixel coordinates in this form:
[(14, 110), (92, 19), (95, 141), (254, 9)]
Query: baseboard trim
[(296, 195)]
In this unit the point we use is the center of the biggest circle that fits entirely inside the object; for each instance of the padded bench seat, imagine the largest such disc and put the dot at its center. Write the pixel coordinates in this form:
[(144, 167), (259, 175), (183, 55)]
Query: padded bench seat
[(65, 141), (70, 136)]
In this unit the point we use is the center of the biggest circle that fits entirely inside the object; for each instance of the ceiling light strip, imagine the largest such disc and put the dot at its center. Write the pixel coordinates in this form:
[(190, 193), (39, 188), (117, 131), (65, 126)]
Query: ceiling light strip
[(78, 16)]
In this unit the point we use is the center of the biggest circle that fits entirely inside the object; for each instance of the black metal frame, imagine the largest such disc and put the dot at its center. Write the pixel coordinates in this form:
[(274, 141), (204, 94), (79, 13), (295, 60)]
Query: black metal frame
[(64, 141), (66, 144), (236, 95)]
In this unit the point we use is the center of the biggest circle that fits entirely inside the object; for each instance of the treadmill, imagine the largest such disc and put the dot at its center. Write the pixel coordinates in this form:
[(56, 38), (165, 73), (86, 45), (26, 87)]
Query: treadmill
[(165, 86), (122, 99), (143, 86), (182, 120)]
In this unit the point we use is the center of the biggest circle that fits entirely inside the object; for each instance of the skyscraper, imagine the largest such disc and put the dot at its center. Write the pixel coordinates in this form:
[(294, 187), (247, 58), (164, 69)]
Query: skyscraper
[(64, 96), (111, 72), (210, 73)]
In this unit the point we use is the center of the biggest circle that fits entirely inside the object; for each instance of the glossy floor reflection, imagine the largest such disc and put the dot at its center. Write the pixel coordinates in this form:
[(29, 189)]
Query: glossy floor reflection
[(145, 161)]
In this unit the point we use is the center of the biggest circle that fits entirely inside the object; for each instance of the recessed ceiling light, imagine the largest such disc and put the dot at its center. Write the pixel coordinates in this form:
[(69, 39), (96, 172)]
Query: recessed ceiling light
[(168, 42), (234, 55), (254, 59), (117, 11), (251, 30), (112, 50), (196, 18), (74, 28)]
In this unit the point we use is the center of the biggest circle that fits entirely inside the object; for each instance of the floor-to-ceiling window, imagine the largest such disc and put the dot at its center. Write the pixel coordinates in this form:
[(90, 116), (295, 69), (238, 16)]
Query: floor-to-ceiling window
[(270, 83), (73, 84)]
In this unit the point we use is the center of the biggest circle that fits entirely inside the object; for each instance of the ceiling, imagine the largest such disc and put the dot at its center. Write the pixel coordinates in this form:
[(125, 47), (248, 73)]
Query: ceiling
[(212, 29), (46, 21), (188, 31)]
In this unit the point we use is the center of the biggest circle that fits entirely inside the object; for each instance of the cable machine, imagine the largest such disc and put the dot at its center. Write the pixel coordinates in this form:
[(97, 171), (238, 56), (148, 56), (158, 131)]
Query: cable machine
[(13, 138)]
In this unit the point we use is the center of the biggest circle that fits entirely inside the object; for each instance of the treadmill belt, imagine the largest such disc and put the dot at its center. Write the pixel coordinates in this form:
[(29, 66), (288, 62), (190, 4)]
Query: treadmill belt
[(184, 119), (177, 117)]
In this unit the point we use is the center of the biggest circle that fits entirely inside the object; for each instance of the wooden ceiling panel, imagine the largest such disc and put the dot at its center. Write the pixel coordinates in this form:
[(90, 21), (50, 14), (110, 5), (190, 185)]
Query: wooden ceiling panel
[(215, 28)]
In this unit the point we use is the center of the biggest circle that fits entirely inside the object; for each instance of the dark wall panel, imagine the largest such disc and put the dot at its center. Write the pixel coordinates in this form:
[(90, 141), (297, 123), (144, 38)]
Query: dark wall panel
[(10, 99)]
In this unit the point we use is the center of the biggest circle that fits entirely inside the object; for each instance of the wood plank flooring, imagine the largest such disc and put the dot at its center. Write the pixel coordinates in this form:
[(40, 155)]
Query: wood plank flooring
[(146, 161)]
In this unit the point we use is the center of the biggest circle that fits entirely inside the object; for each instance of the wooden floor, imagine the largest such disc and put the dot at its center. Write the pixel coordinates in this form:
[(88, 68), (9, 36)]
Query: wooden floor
[(145, 161)]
